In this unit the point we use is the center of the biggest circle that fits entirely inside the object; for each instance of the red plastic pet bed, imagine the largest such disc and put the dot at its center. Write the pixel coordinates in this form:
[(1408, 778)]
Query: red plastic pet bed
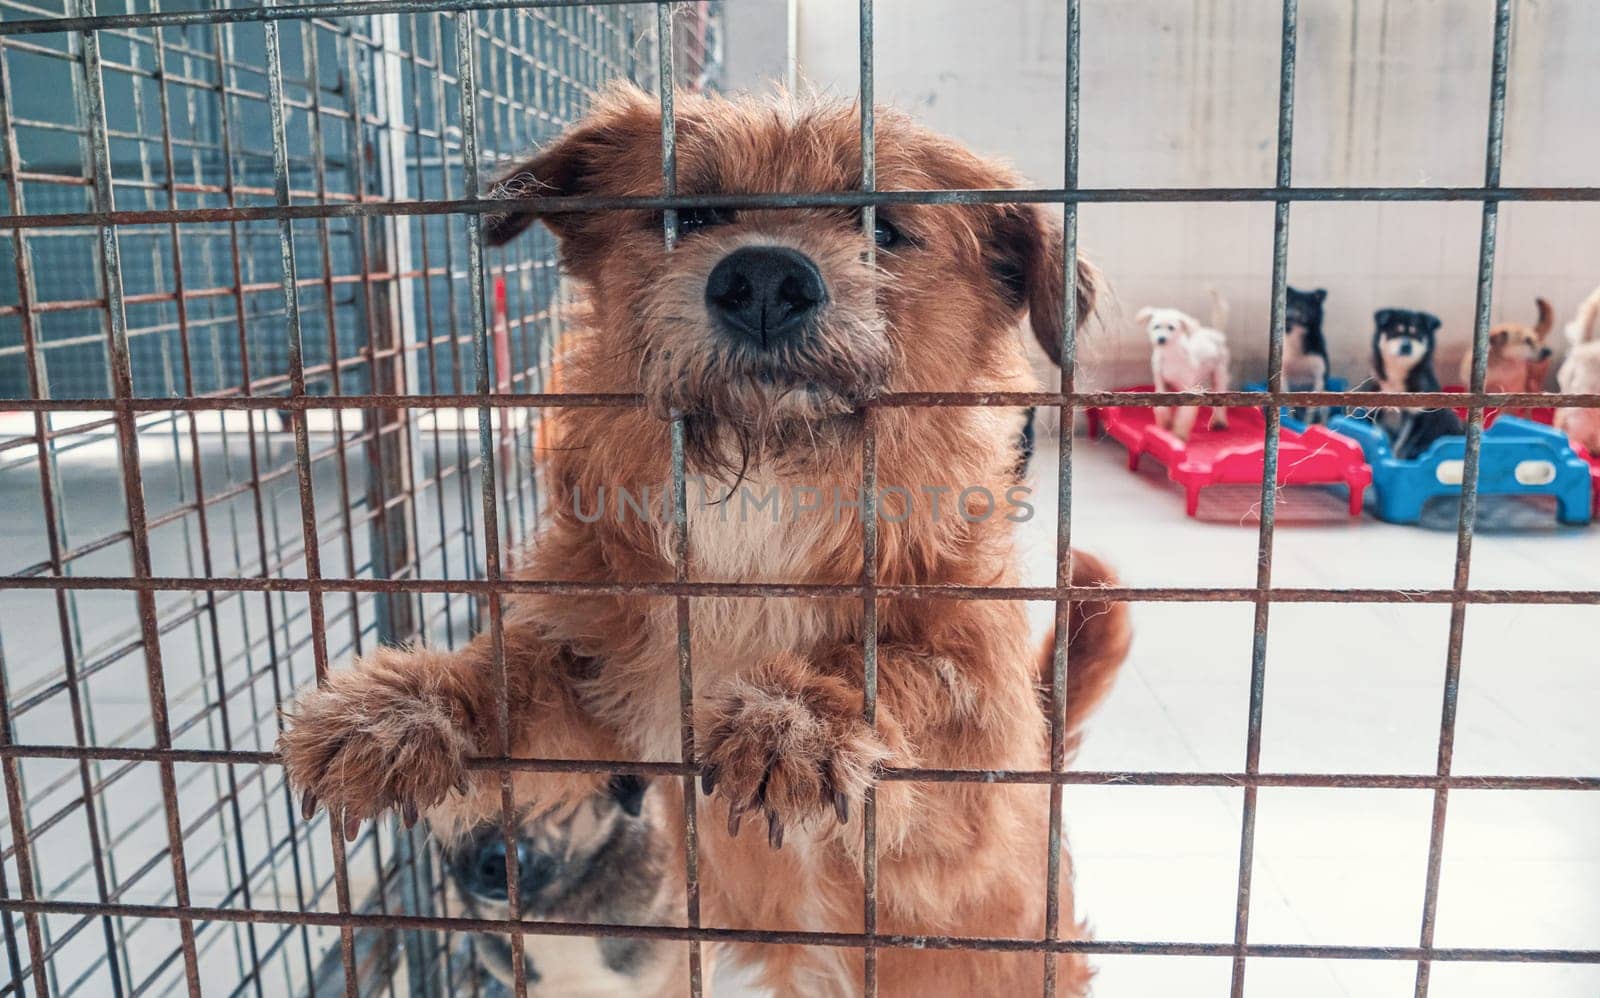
[(1539, 414), (1236, 455)]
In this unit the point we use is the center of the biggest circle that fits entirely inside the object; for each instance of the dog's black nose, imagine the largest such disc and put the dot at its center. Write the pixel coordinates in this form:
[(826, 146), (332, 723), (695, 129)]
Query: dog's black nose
[(765, 294), (483, 870), (1405, 348), (1161, 340)]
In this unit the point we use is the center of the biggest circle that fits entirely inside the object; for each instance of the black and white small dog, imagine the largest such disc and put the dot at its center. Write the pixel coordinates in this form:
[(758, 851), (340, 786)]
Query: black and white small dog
[(608, 859), (1402, 361), (1305, 352)]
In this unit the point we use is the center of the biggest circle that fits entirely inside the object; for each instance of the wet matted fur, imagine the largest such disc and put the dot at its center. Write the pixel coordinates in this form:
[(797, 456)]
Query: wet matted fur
[(777, 682)]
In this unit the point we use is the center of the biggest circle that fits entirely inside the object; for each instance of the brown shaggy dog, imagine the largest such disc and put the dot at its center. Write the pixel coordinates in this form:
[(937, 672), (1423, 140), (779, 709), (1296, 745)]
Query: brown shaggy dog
[(768, 330)]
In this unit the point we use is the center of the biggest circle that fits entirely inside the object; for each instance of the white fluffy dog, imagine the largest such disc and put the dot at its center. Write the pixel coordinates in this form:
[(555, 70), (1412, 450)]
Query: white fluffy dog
[(1580, 375), (1186, 356)]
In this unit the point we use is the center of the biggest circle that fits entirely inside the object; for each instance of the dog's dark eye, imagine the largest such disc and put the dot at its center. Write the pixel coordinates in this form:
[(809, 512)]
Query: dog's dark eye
[(885, 234), (692, 220)]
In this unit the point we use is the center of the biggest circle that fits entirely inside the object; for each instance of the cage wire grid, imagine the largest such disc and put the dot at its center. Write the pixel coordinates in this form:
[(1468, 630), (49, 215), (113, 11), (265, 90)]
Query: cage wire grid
[(344, 111), (368, 112)]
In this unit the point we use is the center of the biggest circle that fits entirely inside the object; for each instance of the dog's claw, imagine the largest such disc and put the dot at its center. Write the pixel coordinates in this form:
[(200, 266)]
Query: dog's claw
[(734, 817), (774, 830), (464, 785), (708, 780), (841, 807), (308, 805), (352, 828), (408, 815)]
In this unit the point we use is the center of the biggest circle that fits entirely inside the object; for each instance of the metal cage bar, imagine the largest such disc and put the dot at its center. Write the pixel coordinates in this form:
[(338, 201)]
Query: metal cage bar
[(1065, 421), (869, 524), (478, 298), (666, 64), (1468, 515), (133, 489), (1269, 494)]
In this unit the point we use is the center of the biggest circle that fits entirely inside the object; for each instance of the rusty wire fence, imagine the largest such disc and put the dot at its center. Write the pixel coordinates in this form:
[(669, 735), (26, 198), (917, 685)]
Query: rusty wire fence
[(194, 339), (276, 403)]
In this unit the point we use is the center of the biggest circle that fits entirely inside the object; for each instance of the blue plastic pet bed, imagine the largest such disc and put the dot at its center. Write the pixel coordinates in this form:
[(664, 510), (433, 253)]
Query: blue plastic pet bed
[(1517, 458)]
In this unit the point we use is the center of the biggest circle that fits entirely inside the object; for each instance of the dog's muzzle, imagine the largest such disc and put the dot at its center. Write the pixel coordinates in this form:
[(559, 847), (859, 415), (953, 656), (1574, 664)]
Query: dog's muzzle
[(765, 296), (479, 866)]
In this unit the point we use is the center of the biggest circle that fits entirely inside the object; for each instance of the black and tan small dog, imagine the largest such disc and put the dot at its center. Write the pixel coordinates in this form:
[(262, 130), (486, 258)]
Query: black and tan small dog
[(1305, 352), (609, 858), (1402, 361)]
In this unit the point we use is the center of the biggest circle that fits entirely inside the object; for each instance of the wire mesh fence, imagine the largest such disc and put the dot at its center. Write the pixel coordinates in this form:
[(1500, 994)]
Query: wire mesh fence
[(274, 394), (193, 114)]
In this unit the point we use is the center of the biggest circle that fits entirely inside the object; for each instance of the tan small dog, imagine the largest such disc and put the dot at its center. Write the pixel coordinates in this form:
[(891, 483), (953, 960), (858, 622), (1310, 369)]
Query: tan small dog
[(1580, 375), (768, 329), (1518, 357)]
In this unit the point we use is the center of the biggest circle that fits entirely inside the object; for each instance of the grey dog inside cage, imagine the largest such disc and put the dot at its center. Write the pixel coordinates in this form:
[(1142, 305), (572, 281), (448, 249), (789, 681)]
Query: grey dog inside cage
[(370, 108)]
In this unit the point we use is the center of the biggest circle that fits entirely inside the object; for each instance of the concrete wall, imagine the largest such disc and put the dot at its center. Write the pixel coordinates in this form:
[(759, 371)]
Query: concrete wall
[(1390, 92), (760, 40)]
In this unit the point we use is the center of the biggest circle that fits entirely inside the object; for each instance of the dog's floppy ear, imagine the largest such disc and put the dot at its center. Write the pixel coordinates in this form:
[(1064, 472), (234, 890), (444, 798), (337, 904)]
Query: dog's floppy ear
[(571, 165), (1430, 322), (1499, 335), (1027, 255), (1144, 315), (1383, 316), (1320, 295)]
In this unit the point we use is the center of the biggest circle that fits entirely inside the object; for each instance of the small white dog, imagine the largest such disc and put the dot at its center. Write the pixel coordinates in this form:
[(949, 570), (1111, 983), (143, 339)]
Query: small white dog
[(1186, 356), (1580, 375)]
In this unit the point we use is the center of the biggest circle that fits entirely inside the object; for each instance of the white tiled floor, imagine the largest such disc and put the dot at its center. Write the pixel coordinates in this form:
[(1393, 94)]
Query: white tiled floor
[(1350, 688)]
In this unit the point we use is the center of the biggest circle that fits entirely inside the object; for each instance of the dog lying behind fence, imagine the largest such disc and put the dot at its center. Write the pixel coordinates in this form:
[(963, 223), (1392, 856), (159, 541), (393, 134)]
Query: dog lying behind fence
[(767, 330), (611, 858)]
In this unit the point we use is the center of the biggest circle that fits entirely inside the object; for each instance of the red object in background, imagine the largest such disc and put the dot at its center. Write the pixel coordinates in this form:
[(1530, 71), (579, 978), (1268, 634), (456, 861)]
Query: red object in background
[(502, 338), (1236, 455), (1539, 414)]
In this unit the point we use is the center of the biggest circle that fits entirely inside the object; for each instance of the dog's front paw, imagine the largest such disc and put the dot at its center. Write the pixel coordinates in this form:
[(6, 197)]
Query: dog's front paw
[(1219, 419), (379, 736), (795, 750)]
